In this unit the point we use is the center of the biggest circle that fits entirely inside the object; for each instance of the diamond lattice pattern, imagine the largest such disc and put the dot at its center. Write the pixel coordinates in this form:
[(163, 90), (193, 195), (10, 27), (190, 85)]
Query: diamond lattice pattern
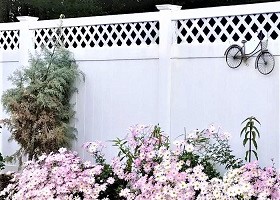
[(9, 40), (223, 29), (108, 35)]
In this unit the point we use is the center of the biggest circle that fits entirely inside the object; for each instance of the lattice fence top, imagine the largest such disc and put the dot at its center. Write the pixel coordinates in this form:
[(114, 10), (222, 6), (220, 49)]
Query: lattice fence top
[(9, 40), (109, 35), (228, 28), (197, 30)]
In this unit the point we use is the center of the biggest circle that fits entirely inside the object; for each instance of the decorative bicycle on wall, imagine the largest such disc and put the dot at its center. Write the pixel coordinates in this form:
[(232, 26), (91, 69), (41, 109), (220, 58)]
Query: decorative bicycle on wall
[(235, 54)]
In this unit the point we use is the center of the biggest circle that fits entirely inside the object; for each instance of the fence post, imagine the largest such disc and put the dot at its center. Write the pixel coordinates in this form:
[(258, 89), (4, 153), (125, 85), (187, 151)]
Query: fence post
[(166, 30), (26, 43)]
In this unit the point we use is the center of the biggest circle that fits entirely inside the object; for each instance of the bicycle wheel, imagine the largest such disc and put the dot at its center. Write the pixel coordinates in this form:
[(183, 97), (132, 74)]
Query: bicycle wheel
[(234, 56), (265, 62)]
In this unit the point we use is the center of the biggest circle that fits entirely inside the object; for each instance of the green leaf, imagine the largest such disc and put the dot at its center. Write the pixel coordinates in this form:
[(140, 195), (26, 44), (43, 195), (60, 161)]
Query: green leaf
[(255, 144), (257, 121), (254, 135), (255, 128), (245, 141), (243, 130), (247, 133), (246, 156), (252, 123), (246, 120), (256, 155)]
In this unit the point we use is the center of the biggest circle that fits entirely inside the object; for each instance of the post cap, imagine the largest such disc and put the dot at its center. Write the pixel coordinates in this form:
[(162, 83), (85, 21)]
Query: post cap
[(168, 7), (27, 18)]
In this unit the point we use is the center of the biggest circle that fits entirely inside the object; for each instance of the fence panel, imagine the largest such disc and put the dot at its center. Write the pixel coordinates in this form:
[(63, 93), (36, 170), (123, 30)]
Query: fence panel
[(165, 67)]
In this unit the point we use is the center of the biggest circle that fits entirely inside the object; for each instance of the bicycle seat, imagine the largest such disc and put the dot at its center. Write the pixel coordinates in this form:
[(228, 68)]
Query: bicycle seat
[(244, 41)]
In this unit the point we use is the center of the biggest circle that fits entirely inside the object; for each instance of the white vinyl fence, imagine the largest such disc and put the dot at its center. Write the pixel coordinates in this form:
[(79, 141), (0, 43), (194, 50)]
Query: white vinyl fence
[(166, 67)]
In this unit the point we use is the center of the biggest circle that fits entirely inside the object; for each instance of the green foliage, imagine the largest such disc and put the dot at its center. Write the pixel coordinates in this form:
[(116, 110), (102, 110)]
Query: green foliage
[(221, 153), (2, 164), (39, 104), (5, 180), (124, 152), (112, 190), (213, 146), (191, 160), (250, 132)]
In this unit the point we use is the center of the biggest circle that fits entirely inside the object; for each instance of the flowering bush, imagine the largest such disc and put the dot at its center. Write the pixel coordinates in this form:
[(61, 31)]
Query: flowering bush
[(155, 170), (247, 182), (59, 176), (148, 167)]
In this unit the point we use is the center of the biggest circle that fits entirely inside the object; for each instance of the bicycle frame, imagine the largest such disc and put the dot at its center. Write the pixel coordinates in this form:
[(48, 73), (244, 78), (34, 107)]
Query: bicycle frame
[(252, 53), (247, 55)]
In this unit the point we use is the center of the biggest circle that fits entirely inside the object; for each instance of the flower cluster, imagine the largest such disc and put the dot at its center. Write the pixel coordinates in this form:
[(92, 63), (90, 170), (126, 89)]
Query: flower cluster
[(153, 170), (265, 182), (247, 182), (59, 176), (93, 147)]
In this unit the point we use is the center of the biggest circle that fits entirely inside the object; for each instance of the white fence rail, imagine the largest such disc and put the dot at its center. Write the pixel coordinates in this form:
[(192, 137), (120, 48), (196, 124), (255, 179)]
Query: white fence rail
[(166, 67)]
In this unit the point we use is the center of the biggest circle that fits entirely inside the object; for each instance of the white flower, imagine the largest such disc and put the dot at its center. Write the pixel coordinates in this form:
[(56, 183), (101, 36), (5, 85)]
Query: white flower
[(103, 187), (92, 148), (225, 136), (2, 193), (189, 148), (177, 143), (212, 128), (193, 134), (43, 157), (110, 180), (188, 162), (87, 164), (124, 192), (62, 150)]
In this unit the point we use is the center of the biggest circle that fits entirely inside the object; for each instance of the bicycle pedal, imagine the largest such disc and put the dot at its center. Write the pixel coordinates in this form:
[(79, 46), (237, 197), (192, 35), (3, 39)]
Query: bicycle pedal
[(246, 63)]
